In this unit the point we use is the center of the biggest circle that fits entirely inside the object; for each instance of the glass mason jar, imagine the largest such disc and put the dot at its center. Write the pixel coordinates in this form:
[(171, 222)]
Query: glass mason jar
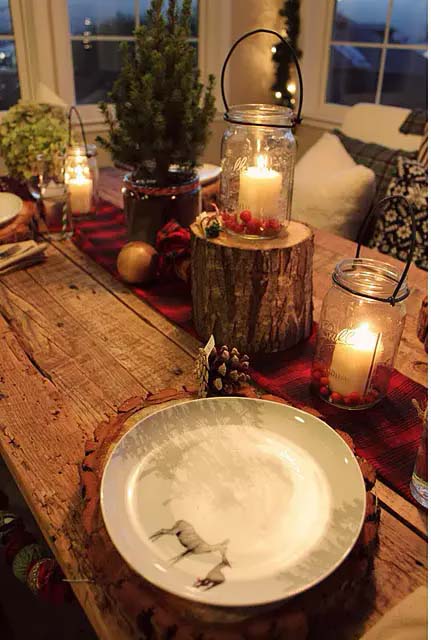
[(148, 206), (258, 160), (358, 336), (82, 178)]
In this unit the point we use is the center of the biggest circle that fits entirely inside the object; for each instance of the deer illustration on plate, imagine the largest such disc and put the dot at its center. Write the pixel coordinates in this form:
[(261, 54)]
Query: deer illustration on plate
[(194, 544), (213, 577)]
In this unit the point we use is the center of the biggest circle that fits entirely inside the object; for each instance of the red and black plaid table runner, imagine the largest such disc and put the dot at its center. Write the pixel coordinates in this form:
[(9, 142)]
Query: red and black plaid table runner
[(387, 435)]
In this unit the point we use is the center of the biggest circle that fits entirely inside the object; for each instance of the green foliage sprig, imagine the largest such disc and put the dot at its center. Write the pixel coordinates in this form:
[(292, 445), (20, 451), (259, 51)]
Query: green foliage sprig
[(282, 56), (162, 111), (29, 129)]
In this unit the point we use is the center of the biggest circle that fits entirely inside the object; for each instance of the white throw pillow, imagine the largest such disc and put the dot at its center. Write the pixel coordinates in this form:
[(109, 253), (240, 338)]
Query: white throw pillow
[(331, 191)]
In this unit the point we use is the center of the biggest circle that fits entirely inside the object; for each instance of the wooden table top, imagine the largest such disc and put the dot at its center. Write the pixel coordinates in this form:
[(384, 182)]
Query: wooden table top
[(75, 343)]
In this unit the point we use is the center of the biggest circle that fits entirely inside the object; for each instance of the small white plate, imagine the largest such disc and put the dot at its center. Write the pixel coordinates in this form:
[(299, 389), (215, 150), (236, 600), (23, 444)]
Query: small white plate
[(208, 173), (10, 206), (233, 501)]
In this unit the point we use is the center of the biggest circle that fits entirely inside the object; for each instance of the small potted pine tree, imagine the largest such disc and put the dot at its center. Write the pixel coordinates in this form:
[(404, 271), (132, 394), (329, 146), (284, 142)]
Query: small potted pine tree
[(159, 121)]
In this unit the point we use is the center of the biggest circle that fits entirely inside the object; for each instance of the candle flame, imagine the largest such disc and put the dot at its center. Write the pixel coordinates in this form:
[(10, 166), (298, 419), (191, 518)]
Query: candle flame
[(361, 338), (77, 168), (80, 177), (262, 162)]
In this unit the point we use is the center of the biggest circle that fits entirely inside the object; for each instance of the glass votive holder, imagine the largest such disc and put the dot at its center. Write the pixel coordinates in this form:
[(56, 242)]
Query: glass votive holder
[(81, 177)]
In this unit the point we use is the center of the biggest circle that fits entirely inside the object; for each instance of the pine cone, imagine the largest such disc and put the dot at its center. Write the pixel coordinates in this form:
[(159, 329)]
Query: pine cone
[(228, 371)]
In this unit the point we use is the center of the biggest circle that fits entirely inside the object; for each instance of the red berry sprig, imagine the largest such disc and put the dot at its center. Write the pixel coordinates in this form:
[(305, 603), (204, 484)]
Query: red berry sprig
[(245, 224), (320, 381)]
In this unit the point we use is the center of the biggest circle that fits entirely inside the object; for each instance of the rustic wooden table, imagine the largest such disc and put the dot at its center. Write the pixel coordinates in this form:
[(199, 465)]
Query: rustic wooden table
[(75, 343)]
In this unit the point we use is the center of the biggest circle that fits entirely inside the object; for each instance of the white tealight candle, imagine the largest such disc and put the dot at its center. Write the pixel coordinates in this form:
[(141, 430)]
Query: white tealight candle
[(260, 189), (80, 192), (354, 360)]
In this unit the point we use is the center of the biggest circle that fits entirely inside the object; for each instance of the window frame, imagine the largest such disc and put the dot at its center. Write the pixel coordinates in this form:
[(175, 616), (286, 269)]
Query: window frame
[(44, 50), (19, 37), (316, 43)]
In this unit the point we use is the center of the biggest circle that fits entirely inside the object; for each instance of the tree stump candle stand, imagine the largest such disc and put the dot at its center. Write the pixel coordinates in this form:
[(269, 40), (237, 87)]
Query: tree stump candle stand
[(256, 294)]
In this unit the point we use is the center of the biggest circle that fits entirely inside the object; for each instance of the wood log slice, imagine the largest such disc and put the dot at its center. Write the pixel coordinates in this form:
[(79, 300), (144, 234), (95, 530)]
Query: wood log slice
[(255, 295), (21, 227)]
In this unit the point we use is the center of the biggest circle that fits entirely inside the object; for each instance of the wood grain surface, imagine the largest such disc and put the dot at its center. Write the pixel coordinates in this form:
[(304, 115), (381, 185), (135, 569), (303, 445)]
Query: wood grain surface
[(75, 344)]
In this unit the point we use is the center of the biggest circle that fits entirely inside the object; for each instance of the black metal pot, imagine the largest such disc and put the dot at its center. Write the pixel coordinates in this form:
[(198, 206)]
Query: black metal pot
[(148, 206)]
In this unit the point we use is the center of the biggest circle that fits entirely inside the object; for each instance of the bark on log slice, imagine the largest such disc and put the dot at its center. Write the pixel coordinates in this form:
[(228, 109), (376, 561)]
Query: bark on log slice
[(254, 295)]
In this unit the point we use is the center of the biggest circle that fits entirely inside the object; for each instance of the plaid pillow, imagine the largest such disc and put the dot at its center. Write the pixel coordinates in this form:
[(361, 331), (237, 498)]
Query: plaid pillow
[(415, 122), (380, 159), (392, 234)]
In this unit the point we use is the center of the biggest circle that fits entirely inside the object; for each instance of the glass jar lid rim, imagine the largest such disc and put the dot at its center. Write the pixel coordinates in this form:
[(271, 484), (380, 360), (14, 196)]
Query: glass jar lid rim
[(81, 149), (370, 278), (270, 115)]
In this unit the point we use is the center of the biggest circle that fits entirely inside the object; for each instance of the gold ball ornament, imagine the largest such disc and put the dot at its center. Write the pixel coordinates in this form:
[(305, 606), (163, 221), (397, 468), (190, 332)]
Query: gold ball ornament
[(137, 262)]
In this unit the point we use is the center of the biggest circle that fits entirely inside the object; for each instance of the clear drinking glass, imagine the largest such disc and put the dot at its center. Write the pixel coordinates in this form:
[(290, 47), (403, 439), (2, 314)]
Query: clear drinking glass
[(419, 481), (49, 187)]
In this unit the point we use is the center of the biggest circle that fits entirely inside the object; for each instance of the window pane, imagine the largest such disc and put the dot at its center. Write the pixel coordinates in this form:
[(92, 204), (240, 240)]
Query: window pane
[(5, 21), (194, 21), (409, 23), (9, 83), (360, 20), (353, 74), (405, 79), (102, 17), (95, 69)]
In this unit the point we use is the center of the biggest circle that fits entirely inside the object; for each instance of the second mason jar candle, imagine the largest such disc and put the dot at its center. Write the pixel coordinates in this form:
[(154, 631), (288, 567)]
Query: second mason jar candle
[(359, 333)]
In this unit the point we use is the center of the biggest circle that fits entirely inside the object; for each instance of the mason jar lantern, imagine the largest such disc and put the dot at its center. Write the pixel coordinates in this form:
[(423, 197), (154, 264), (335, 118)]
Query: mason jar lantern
[(258, 160), (361, 324), (81, 172)]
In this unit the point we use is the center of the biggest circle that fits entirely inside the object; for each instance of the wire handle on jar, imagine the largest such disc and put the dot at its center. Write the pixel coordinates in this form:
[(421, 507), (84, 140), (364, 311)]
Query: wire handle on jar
[(393, 298), (297, 118), (73, 110)]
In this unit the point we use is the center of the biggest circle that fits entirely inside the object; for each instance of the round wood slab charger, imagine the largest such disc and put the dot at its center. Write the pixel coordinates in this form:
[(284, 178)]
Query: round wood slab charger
[(157, 614)]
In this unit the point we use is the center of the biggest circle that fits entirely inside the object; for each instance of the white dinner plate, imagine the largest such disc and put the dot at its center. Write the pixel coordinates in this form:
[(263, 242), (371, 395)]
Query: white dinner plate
[(233, 501), (10, 206)]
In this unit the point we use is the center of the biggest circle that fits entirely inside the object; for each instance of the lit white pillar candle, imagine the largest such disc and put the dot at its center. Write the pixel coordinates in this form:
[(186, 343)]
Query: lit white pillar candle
[(354, 360), (80, 192), (260, 189)]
